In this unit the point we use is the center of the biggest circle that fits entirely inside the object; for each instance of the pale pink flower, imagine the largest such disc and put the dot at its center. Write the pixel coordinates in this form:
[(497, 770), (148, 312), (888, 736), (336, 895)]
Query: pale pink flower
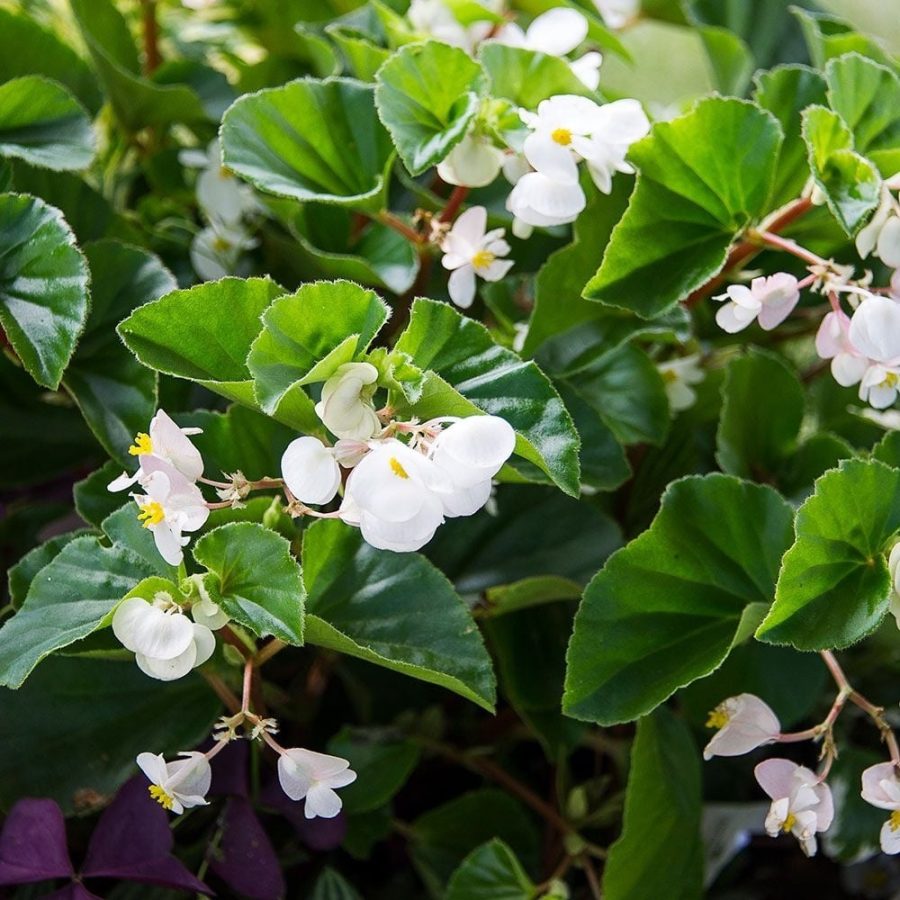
[(881, 788), (769, 300), (744, 723)]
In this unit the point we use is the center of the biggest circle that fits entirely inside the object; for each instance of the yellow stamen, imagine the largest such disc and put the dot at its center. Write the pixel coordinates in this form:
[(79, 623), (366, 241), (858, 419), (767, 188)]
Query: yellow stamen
[(164, 799), (890, 380), (895, 820), (151, 514), (397, 469), (482, 259), (221, 244), (669, 376), (789, 823), (142, 445), (718, 717), (562, 136), (225, 173)]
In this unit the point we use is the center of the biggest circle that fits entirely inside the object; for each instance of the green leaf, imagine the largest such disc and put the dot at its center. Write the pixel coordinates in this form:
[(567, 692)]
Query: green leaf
[(755, 435), (311, 140), (70, 598), (93, 502), (472, 374), (730, 59), (694, 196), (24, 571), (851, 183), (259, 582), (43, 286), (491, 872), (203, 333), (667, 607), (42, 123), (829, 36), (364, 58), (97, 716), (785, 92), (834, 587), (659, 853), (526, 77), (395, 610), (309, 334), (427, 96), (125, 530), (116, 394), (331, 885), (867, 97)]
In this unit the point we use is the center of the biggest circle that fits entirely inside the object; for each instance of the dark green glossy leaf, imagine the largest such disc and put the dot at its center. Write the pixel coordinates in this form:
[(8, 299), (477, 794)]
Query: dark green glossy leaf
[(491, 872)]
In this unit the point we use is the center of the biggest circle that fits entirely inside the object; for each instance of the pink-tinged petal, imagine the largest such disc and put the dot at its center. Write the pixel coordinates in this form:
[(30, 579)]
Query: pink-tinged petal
[(773, 314), (172, 444), (874, 787), (751, 724), (744, 297), (461, 286), (323, 802), (848, 369), (123, 481), (776, 777), (824, 812), (890, 838), (775, 818), (733, 318), (831, 338)]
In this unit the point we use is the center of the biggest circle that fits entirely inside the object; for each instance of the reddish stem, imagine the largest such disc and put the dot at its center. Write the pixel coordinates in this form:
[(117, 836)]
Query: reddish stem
[(457, 196), (395, 222), (152, 57)]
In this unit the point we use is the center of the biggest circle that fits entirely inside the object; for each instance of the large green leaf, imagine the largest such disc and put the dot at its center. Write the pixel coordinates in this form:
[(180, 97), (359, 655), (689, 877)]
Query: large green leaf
[(68, 599), (43, 286), (96, 715), (667, 607), (703, 178), (491, 872), (829, 37), (203, 333), (42, 123), (307, 335), (395, 610), (428, 95), (834, 587), (311, 140), (258, 581), (659, 853), (472, 374), (116, 394)]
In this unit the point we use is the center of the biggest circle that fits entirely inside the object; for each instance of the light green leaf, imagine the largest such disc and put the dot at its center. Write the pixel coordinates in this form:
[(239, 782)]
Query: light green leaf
[(259, 582), (828, 37), (43, 286), (311, 140), (42, 123), (491, 872), (730, 59), (667, 607), (834, 587), (70, 598), (364, 57), (307, 335), (659, 853), (203, 333), (427, 96), (703, 178), (395, 610), (125, 530), (473, 374)]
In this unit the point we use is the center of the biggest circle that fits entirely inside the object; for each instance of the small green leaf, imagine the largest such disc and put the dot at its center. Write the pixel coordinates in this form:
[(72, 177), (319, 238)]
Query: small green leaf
[(834, 587), (259, 582), (42, 123), (311, 140), (667, 607), (395, 610), (491, 872), (43, 286), (364, 57), (24, 571), (703, 178), (659, 853), (427, 96)]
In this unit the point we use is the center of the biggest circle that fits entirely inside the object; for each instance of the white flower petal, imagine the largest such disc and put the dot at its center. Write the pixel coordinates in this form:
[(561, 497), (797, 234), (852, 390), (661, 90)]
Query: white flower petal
[(322, 801), (461, 286), (310, 471), (557, 31), (551, 158), (167, 669)]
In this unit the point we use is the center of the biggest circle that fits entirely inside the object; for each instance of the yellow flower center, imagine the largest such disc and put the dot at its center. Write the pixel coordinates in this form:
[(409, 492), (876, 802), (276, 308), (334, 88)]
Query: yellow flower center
[(151, 514), (789, 823), (397, 469), (562, 136), (142, 445), (164, 799), (895, 820), (482, 259), (669, 376), (890, 380), (220, 244), (718, 717), (225, 173)]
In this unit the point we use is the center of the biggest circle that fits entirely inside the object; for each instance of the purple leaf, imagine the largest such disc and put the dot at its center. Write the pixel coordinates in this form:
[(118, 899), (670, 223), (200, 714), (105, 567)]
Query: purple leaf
[(33, 844), (318, 834), (133, 841), (229, 771), (246, 860), (73, 891)]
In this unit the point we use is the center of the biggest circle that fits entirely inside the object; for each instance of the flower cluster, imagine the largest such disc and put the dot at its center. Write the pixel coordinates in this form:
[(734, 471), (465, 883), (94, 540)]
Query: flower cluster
[(470, 250)]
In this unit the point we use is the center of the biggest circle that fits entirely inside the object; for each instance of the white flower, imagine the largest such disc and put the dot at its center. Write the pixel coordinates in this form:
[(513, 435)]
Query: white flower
[(171, 506), (744, 723), (894, 569), (539, 200), (881, 788), (470, 250), (875, 329), (165, 441), (346, 406), (848, 365), (768, 299), (801, 804), (435, 19), (222, 197), (679, 375), (617, 13), (180, 784), (305, 773), (616, 127), (882, 234), (473, 162), (165, 643), (394, 497), (879, 385), (216, 250), (310, 471), (209, 614), (471, 452)]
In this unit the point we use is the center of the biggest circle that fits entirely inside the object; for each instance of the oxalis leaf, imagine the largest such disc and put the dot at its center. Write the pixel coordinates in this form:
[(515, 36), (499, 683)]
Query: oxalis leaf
[(834, 586), (471, 374), (667, 608), (703, 178), (259, 583), (427, 95), (393, 609)]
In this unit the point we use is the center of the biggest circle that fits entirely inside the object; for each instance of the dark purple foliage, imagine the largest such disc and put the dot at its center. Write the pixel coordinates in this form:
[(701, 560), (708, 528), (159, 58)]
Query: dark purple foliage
[(33, 844)]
